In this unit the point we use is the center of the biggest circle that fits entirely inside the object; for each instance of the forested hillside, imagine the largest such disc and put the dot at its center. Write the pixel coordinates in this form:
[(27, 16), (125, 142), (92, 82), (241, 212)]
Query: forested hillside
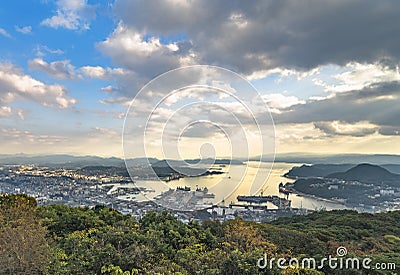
[(58, 239)]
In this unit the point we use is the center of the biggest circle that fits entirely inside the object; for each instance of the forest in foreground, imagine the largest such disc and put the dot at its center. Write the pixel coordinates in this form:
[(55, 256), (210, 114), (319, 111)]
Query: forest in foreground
[(58, 239)]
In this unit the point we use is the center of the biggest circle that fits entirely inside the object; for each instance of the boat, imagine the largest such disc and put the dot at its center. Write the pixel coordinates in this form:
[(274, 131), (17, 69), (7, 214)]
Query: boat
[(283, 189)]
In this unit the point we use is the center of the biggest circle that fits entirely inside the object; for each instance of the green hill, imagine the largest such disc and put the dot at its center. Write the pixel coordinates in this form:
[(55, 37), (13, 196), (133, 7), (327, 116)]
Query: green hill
[(58, 239), (366, 173)]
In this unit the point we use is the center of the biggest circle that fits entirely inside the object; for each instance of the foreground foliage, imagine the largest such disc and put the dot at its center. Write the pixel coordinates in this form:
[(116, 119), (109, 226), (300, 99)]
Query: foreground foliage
[(58, 239)]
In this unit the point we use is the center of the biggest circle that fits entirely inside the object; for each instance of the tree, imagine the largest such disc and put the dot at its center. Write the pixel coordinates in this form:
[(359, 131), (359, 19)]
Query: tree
[(23, 245)]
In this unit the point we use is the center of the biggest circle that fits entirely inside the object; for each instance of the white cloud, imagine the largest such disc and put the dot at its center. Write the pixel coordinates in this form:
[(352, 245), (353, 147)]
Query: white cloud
[(8, 112), (72, 15), (38, 141), (357, 129), (24, 30), (63, 69), (260, 74), (41, 51), (296, 133), (305, 137), (14, 85), (125, 78), (147, 57), (108, 89), (103, 73), (15, 139), (282, 72), (57, 69), (357, 76), (4, 33), (5, 111), (127, 82), (277, 102)]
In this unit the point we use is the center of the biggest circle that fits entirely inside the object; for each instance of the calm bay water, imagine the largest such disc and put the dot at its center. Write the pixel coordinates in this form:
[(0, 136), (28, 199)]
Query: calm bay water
[(244, 180)]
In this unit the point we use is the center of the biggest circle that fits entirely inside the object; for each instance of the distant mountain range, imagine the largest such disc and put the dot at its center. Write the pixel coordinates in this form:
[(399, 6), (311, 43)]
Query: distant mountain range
[(68, 161), (323, 164)]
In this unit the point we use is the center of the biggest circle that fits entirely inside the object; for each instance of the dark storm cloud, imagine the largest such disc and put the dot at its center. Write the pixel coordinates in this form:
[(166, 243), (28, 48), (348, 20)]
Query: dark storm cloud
[(265, 34)]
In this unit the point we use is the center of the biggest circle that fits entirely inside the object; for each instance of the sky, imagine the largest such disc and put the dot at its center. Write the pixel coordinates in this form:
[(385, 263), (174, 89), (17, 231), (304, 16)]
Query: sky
[(327, 70)]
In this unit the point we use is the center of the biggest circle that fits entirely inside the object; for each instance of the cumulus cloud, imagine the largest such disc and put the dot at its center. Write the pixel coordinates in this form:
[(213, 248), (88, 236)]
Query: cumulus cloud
[(109, 89), (128, 83), (282, 72), (358, 129), (266, 34), (14, 85), (378, 104), (277, 102), (147, 57), (57, 69), (63, 69), (305, 137), (103, 73), (72, 15), (286, 38), (357, 76)]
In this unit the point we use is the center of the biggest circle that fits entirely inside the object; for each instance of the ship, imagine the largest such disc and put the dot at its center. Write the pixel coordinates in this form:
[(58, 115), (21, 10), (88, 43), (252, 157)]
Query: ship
[(283, 189), (277, 201), (186, 188), (254, 199)]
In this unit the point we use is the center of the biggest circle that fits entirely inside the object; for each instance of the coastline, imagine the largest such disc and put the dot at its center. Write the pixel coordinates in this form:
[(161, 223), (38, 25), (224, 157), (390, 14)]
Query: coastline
[(317, 198), (294, 191)]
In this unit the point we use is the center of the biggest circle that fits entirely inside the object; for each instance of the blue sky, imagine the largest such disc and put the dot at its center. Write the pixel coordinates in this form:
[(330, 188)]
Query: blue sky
[(69, 69)]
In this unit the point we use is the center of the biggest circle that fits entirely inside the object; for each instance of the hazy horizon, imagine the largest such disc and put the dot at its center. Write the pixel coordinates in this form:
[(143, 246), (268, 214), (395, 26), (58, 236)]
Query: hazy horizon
[(299, 157)]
